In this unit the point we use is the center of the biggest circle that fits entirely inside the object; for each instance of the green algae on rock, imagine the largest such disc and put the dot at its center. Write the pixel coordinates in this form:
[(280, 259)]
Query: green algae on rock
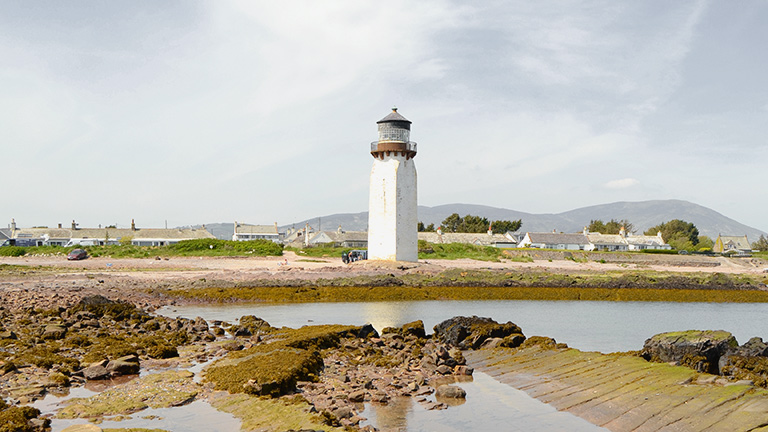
[(271, 415), (274, 368), (161, 390)]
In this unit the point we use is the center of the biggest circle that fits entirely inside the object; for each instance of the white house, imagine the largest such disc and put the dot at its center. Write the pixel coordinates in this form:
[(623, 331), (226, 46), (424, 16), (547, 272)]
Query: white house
[(247, 232), (732, 244), (556, 241)]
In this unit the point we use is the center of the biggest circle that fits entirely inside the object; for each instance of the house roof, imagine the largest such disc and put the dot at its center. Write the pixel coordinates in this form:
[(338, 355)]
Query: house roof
[(115, 233), (735, 242), (558, 238), (469, 238), (255, 229), (645, 240), (606, 239), (5, 233), (339, 237)]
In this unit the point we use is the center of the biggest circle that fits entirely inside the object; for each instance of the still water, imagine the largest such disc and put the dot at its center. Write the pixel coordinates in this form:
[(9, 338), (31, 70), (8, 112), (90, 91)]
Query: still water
[(586, 325)]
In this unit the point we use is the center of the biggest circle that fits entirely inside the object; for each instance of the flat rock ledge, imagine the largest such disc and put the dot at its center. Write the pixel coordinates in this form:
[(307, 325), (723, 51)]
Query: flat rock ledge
[(627, 393)]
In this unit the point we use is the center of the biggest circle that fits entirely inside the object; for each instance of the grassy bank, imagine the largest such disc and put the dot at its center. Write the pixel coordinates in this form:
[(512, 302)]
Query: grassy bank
[(201, 247)]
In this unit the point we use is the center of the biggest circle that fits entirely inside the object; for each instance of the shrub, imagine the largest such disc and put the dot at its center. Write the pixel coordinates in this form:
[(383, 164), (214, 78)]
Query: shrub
[(12, 251)]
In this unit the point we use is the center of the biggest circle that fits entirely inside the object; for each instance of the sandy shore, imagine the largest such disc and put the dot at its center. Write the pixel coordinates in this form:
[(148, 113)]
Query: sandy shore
[(48, 281)]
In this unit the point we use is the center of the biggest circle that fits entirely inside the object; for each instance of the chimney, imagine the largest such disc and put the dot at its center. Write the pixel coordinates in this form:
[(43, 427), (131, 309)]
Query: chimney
[(13, 224), (622, 232), (490, 229), (74, 225), (306, 234), (133, 225), (59, 226), (277, 231), (339, 230), (586, 231)]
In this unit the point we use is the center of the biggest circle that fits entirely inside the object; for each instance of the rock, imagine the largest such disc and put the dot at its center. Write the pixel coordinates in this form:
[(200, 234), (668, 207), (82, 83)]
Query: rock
[(750, 356), (700, 350), (471, 332), (367, 331), (95, 372), (464, 370), (415, 328), (449, 391), (344, 412), (7, 334), (412, 387), (443, 370), (128, 365), (54, 332), (357, 396), (379, 397)]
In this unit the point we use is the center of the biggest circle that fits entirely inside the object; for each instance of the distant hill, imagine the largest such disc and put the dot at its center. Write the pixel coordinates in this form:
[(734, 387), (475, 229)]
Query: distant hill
[(643, 214)]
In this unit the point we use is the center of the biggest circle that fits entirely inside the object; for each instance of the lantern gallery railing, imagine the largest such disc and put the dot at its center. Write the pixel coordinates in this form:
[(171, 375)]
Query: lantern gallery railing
[(384, 146)]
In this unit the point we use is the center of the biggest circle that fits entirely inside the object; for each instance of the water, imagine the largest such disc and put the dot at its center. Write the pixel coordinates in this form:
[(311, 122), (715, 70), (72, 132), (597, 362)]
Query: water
[(490, 406), (586, 325)]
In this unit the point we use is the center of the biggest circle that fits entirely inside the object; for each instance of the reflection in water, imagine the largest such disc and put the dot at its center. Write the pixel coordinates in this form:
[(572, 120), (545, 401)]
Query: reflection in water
[(490, 405), (384, 314)]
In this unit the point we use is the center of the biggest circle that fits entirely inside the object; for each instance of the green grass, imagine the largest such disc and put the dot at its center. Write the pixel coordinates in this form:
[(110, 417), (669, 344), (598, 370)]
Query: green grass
[(460, 250), (200, 247)]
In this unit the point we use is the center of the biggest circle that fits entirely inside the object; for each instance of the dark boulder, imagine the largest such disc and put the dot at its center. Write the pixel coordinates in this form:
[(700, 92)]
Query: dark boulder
[(367, 331), (699, 350), (471, 332)]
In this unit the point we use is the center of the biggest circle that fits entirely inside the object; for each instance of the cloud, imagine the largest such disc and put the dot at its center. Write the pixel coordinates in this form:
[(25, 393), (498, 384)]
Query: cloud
[(621, 183)]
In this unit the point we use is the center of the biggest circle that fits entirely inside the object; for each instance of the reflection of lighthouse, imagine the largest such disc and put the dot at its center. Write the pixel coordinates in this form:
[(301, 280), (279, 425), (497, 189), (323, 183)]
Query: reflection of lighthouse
[(392, 218), (386, 314)]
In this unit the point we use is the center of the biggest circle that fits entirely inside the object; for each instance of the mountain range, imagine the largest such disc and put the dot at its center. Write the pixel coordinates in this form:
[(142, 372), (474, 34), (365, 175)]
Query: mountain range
[(642, 214)]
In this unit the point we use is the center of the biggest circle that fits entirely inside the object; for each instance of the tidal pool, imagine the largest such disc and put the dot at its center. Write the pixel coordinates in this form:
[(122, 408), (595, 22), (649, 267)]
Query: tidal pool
[(586, 325)]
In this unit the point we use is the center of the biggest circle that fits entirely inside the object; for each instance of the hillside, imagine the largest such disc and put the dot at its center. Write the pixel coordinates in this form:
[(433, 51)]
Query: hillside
[(643, 215)]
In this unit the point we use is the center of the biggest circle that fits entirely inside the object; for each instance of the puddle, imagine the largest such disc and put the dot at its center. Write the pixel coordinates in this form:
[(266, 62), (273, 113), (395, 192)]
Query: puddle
[(490, 405), (197, 416)]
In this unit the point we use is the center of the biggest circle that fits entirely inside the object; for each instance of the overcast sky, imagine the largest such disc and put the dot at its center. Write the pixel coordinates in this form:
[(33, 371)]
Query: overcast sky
[(263, 111)]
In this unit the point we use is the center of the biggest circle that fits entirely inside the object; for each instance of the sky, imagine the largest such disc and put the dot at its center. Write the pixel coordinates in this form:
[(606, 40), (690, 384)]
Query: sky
[(184, 112)]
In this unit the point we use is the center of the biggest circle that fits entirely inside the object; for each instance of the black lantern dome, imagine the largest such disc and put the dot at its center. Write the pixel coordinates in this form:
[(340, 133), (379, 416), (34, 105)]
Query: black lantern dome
[(394, 137)]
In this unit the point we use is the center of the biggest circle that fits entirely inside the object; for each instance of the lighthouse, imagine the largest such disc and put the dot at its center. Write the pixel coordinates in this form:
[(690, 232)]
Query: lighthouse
[(392, 217)]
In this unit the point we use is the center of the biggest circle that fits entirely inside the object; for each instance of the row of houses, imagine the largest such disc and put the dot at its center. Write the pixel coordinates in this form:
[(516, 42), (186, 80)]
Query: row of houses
[(76, 236), (586, 241), (589, 241)]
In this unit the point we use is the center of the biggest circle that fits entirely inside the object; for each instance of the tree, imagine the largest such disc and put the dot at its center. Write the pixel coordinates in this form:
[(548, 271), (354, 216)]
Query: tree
[(420, 227), (504, 226), (452, 223), (705, 243), (677, 233), (474, 224), (612, 227), (761, 244), (478, 224)]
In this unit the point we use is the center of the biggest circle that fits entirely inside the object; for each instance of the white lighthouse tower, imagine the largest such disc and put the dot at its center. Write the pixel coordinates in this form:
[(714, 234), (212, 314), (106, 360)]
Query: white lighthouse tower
[(392, 218)]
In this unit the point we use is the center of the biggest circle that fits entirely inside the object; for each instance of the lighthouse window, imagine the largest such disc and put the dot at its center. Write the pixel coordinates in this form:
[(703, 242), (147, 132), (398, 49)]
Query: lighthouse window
[(388, 133)]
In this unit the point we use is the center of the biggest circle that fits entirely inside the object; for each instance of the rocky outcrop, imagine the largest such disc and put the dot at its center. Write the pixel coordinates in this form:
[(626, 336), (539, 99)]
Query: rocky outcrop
[(472, 332), (700, 350)]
